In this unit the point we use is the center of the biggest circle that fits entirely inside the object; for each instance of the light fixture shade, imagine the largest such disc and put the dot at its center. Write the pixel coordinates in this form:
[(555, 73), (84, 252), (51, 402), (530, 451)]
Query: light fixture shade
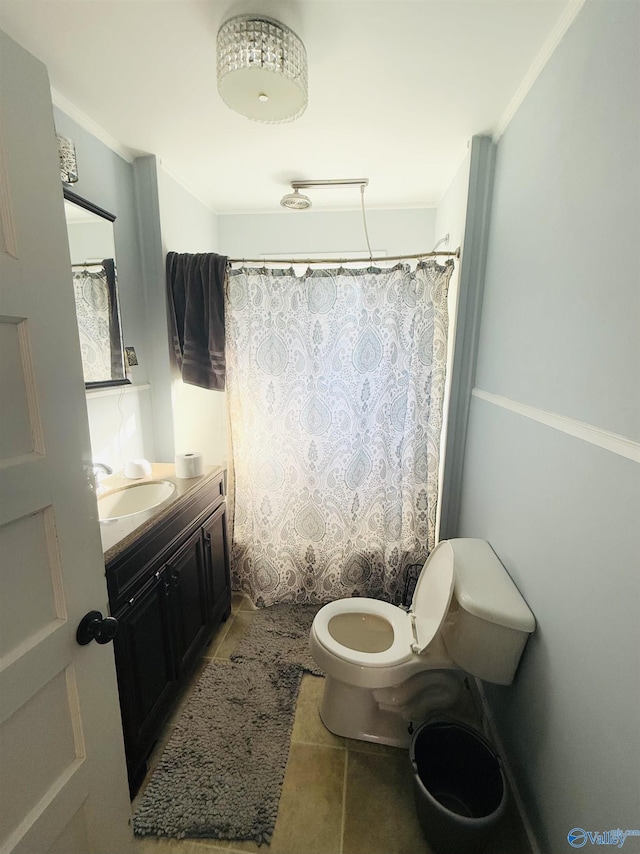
[(262, 69), (68, 163)]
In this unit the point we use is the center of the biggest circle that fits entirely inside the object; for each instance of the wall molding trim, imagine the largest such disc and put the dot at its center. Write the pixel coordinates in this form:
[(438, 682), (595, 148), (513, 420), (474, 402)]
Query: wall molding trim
[(92, 127), (579, 429), (551, 43)]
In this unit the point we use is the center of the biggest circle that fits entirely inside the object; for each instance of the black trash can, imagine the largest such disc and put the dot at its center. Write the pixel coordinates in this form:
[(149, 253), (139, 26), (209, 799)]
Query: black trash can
[(459, 786)]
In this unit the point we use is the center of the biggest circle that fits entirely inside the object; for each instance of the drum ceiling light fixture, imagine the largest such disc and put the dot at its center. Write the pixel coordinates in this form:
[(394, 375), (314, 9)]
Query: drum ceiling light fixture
[(262, 69)]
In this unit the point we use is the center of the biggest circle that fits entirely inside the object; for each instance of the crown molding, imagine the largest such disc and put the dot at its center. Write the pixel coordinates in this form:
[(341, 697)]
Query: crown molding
[(548, 48), (85, 121)]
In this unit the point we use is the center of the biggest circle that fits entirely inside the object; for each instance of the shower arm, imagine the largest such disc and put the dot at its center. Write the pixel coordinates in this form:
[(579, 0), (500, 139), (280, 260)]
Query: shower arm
[(330, 182)]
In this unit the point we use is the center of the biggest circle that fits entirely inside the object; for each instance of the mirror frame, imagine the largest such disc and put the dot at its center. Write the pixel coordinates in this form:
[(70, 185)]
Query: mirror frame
[(75, 199)]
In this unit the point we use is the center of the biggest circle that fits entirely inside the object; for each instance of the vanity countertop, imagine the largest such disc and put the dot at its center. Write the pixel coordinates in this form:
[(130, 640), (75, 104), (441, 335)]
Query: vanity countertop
[(117, 534)]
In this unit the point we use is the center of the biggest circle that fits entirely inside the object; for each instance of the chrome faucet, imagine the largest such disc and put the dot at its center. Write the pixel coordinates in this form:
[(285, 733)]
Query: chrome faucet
[(100, 470), (102, 467)]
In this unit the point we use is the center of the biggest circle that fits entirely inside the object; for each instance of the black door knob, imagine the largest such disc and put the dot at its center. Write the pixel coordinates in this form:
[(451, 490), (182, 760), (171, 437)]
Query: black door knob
[(94, 626)]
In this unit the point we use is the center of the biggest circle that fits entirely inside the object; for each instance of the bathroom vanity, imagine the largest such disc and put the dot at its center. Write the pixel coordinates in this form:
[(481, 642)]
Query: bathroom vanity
[(169, 589)]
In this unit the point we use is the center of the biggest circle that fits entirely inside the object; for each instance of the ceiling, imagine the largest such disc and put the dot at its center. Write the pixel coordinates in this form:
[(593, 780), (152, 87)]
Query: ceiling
[(396, 89)]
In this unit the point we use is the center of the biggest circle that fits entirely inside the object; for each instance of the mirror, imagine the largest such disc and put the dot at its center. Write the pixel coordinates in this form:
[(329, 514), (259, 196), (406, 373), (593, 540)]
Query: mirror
[(95, 286)]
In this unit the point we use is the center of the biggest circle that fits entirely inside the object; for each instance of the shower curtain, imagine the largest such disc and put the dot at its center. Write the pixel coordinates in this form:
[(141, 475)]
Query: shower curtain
[(98, 321), (335, 386)]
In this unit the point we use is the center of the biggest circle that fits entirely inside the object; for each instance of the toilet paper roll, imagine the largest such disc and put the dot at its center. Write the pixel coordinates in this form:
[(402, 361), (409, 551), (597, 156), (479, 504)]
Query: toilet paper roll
[(189, 465)]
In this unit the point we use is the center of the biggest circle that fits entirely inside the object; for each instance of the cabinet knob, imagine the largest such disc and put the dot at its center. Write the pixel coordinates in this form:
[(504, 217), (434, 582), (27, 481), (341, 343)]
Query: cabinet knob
[(94, 626)]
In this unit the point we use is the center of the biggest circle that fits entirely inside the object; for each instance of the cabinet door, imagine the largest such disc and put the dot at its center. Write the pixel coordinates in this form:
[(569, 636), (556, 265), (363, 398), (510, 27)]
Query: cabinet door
[(146, 670), (187, 575), (217, 560)]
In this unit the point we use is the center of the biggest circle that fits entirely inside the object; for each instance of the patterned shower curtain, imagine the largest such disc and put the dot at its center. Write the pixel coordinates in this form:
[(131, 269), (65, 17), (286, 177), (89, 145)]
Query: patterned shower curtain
[(98, 321), (335, 385)]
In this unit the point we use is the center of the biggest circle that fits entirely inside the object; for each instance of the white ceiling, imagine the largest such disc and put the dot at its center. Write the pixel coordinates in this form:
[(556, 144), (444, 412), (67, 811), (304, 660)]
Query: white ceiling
[(396, 88)]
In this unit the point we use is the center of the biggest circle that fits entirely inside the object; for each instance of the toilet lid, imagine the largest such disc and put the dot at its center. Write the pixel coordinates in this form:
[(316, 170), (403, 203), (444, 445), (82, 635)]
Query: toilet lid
[(432, 595)]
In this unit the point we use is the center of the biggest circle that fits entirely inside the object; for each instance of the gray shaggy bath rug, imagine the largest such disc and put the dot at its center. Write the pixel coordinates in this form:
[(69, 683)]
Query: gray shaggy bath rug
[(220, 776), (280, 635)]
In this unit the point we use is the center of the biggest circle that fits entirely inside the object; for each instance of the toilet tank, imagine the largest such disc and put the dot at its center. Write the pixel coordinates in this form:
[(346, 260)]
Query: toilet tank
[(488, 622)]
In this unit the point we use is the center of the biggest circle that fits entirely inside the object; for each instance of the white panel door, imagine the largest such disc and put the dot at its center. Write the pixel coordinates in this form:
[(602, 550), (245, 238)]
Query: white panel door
[(63, 784)]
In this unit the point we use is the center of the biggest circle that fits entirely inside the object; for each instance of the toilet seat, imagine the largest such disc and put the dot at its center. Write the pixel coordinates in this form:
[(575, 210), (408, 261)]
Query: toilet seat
[(400, 621), (413, 631)]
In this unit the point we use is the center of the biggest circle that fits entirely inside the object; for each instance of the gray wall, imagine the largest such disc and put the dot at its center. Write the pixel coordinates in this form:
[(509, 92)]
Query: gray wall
[(560, 334), (472, 204), (145, 170), (311, 232)]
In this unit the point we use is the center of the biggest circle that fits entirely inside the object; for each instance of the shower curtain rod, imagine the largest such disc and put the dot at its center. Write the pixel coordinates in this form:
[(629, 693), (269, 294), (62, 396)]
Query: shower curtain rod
[(367, 259)]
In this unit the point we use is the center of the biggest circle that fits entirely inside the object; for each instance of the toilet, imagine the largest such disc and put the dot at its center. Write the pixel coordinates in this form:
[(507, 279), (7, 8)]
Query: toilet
[(387, 667)]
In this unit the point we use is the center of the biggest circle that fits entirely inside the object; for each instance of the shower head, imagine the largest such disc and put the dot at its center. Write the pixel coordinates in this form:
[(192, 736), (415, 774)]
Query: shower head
[(296, 201)]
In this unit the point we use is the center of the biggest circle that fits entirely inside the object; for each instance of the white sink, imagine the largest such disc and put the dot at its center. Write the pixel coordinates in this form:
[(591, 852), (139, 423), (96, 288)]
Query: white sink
[(134, 499)]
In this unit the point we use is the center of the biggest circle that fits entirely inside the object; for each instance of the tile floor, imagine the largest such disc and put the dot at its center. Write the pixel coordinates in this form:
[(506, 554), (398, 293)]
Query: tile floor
[(339, 796)]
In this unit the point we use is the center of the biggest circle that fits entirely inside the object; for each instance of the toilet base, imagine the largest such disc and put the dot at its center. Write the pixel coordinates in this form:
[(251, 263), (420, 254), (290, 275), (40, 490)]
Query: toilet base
[(352, 712), (385, 716)]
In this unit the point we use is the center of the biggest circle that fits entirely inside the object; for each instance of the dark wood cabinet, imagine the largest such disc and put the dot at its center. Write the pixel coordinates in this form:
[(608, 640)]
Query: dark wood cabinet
[(187, 573), (145, 663), (169, 591), (214, 533)]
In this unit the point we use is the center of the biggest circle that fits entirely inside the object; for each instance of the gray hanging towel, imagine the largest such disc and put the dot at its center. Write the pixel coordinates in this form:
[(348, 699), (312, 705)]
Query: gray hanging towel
[(195, 287)]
